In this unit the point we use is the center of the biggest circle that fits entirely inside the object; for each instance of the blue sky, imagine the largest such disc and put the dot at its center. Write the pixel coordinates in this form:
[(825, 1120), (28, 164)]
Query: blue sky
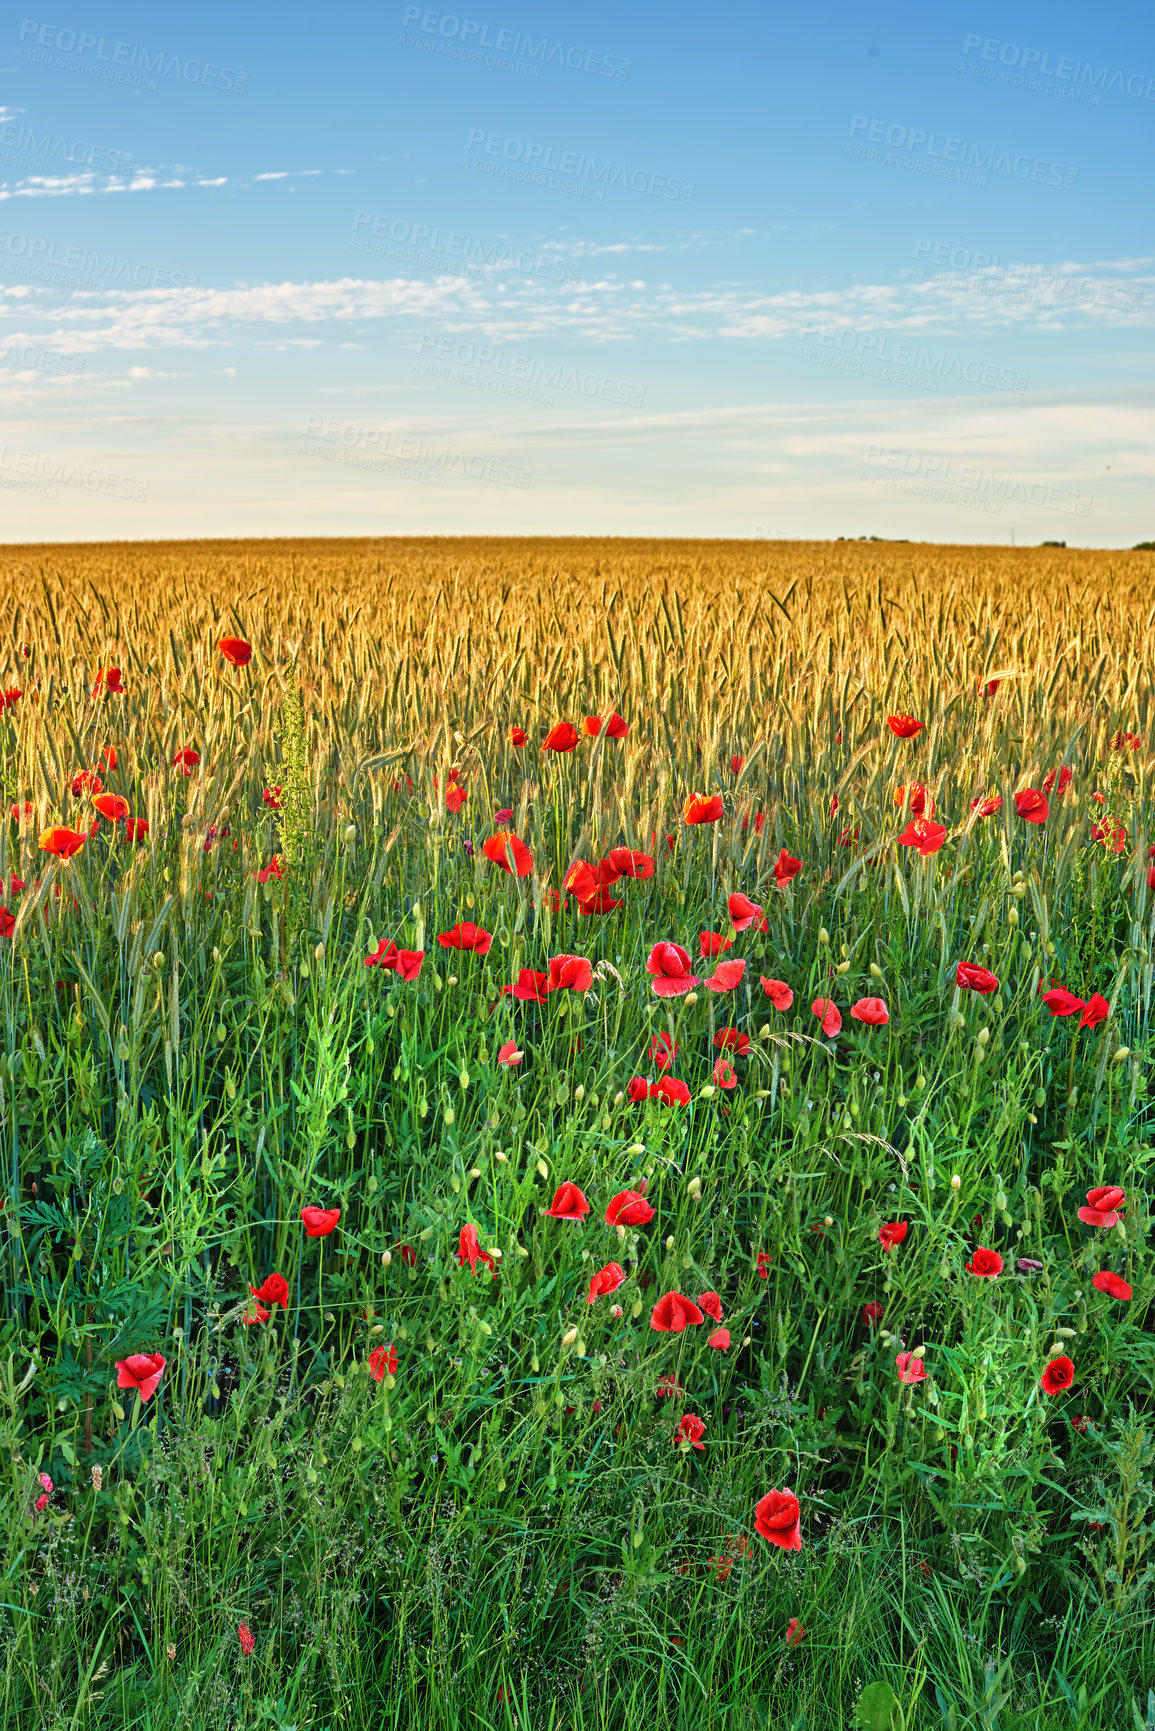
[(662, 270)]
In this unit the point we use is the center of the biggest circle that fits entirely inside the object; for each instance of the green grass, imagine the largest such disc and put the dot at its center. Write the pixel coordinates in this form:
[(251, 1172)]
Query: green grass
[(506, 1530)]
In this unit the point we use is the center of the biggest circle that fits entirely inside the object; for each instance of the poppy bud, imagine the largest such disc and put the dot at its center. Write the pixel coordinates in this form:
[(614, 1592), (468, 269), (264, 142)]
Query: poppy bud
[(1123, 1052), (636, 1307), (475, 1171), (158, 959), (708, 1091), (216, 954), (449, 1114), (829, 1220), (1012, 916), (319, 953), (618, 1097), (842, 968), (463, 1079), (500, 1156), (876, 970), (350, 832), (569, 1337), (579, 1092), (901, 1101), (956, 1182), (691, 998), (695, 1185), (621, 1231), (983, 1036), (920, 1081), (636, 1148), (386, 1258), (823, 935), (543, 1168), (533, 1364)]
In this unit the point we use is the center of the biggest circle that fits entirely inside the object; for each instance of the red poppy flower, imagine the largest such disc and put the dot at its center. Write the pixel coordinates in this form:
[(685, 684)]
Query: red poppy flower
[(466, 936), (10, 698), (690, 1429), (703, 808), (673, 1313), (274, 1289), (568, 1204), (726, 977), (663, 1051), (606, 1280), (107, 679), (711, 1303), (319, 1222), (384, 956), (408, 964), (274, 869), (602, 903), (904, 726), (62, 842), (763, 1265), (246, 1637), (1031, 806), (1058, 1376), (713, 943), (893, 1233), (455, 798), (872, 1313), (724, 1074), (778, 1519), (569, 973), (670, 966), (186, 760), (85, 781), (629, 864), (910, 1369), (923, 834), (22, 813), (582, 880), (667, 1387), (236, 651), (509, 1056), (637, 1090), (1111, 1284), (272, 798), (985, 1263), (969, 977), (135, 828), (987, 807), (1103, 1204), (785, 868), (670, 1092), (111, 806), (530, 987), (921, 803), (517, 736), (505, 850), (1132, 740), (730, 1040), (108, 757), (794, 1632), (469, 1250), (743, 912), (1062, 1003), (1113, 835), (383, 1363), (719, 1339), (140, 1370), (778, 992), (562, 736), (827, 1012), (257, 1313), (1095, 1010), (7, 923), (628, 1208), (872, 1011), (615, 727)]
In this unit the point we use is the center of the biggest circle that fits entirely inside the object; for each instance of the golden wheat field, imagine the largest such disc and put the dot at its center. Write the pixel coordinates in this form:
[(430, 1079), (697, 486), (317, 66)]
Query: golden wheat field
[(423, 972)]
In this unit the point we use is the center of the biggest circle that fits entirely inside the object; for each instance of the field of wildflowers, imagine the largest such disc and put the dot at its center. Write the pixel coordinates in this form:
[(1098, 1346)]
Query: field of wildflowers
[(576, 1135)]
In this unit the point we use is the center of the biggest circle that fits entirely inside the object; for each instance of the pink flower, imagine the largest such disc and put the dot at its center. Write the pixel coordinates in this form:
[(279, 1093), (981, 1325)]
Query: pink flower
[(719, 1338), (872, 1011), (726, 977), (509, 1056)]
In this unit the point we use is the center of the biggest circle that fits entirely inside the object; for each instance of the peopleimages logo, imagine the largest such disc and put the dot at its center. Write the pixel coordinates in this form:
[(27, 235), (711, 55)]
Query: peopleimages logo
[(118, 61), (996, 490), (954, 156), (35, 256), (472, 36), (522, 159), (48, 147), (448, 250), (1037, 63), (876, 350)]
